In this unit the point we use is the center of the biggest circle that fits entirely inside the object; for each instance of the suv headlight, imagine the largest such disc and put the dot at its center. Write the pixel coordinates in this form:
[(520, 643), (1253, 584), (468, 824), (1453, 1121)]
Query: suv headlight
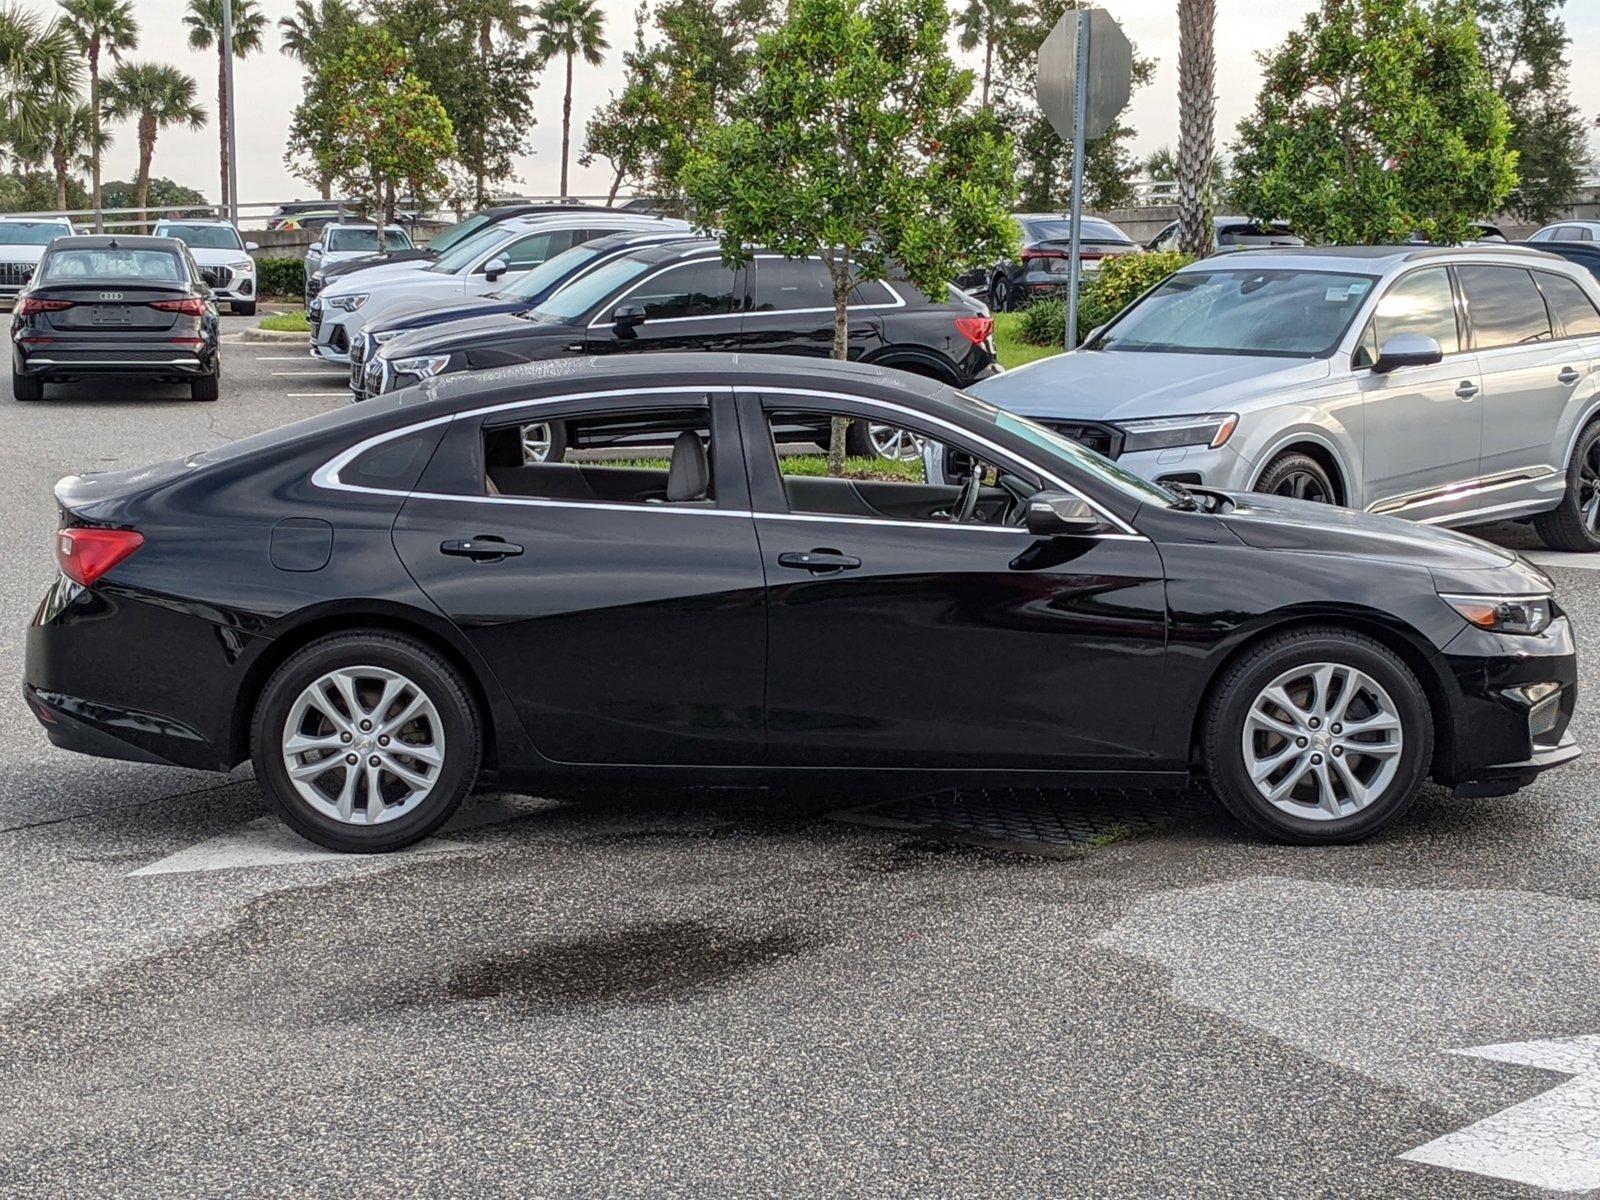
[(1164, 433), (385, 336), (424, 366), (245, 264), (1505, 614), (346, 303)]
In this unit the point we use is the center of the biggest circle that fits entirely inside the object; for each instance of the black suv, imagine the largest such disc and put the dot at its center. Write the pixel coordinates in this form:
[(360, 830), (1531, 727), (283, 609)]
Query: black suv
[(682, 296)]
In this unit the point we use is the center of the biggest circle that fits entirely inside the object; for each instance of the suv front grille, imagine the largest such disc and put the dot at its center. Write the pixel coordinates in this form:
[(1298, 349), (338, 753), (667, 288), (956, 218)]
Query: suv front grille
[(1102, 439), (15, 274), (216, 277)]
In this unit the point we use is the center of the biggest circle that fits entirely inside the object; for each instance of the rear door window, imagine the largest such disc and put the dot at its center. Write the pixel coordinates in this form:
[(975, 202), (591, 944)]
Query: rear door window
[(1506, 307), (1574, 312)]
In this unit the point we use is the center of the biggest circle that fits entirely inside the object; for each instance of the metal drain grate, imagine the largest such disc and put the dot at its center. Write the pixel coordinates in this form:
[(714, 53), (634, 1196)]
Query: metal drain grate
[(1032, 818)]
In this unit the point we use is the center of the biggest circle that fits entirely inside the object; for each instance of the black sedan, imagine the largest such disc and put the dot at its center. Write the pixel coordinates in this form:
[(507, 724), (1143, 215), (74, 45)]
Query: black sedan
[(121, 305), (1043, 266), (381, 604)]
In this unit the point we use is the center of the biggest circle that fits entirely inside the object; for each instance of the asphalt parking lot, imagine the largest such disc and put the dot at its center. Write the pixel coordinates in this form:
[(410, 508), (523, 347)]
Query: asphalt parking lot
[(1019, 995)]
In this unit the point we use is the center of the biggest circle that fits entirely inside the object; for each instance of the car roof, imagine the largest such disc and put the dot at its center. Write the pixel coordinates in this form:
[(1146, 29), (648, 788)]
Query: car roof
[(1381, 258), (362, 225), (623, 220)]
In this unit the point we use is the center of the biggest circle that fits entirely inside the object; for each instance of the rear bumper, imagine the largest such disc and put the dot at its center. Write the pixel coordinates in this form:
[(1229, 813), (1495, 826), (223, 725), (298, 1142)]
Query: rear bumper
[(61, 360)]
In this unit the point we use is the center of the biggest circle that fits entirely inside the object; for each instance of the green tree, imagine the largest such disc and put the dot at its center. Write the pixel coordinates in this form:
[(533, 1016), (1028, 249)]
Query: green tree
[(38, 63), (304, 34), (570, 28), (1524, 46), (855, 144), (162, 193), (66, 142), (152, 96), (980, 23), (1197, 117), (1376, 120), (35, 191), (100, 27), (204, 20), (373, 126)]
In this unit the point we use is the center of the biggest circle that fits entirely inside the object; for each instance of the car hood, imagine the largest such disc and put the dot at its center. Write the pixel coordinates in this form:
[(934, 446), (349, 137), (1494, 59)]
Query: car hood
[(208, 256), (344, 266), (405, 312), (1101, 385), (476, 331), (21, 254), (357, 281)]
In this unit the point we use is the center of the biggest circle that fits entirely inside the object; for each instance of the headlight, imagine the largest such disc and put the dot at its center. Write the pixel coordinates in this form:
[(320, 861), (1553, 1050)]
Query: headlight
[(424, 366), (1163, 433), (1504, 614), (347, 303), (384, 336), (247, 264)]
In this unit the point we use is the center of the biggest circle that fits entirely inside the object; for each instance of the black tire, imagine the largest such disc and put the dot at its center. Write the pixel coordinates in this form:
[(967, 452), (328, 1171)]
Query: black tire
[(206, 387), (558, 443), (1299, 477), (1229, 703), (26, 387), (1000, 294), (432, 675), (1566, 526), (242, 308)]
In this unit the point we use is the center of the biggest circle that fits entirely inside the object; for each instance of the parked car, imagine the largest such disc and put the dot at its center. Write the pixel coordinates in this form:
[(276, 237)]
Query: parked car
[(1580, 254), (22, 244), (491, 259), (524, 292), (1233, 233), (682, 296), (1044, 263), (1449, 385), (289, 215), (342, 242), (223, 257), (115, 305), (427, 608), (1568, 231)]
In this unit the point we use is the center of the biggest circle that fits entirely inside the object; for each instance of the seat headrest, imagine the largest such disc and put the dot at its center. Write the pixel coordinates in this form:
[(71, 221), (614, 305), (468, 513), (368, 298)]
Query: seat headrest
[(689, 477)]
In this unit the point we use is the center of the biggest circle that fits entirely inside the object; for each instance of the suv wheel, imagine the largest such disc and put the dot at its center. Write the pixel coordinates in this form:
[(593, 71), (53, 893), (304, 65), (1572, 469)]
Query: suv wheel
[(1574, 524), (1318, 735), (1298, 476)]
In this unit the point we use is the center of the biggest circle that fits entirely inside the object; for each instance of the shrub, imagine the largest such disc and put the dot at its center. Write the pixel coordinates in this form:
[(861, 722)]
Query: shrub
[(1119, 282), (1044, 323), (281, 276)]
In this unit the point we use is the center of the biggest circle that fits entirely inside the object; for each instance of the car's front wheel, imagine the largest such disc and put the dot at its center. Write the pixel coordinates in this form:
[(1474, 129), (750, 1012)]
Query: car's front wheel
[(243, 308), (1298, 476), (1574, 524), (1317, 735), (366, 741)]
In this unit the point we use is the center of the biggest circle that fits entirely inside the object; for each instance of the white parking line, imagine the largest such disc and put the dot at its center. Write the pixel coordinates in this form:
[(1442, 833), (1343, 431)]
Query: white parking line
[(317, 395), (325, 373), (299, 358)]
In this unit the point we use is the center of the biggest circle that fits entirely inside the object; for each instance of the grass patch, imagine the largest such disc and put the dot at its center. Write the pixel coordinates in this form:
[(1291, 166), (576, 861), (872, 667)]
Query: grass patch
[(289, 322), (1009, 346)]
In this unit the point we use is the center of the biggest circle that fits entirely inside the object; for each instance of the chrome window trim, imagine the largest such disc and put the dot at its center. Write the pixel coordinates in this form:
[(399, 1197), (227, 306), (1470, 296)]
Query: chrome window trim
[(327, 475)]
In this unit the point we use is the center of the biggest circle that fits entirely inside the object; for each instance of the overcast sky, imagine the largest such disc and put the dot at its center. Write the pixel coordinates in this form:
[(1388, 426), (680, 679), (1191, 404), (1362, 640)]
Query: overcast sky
[(269, 87)]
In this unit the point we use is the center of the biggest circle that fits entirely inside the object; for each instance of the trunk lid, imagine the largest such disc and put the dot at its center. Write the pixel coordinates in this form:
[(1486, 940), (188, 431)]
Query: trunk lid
[(110, 307)]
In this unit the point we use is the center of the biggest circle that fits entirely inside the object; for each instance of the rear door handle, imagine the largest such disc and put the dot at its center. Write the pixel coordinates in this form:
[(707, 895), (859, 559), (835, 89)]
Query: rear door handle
[(480, 549), (1467, 390), (818, 562), (1569, 375)]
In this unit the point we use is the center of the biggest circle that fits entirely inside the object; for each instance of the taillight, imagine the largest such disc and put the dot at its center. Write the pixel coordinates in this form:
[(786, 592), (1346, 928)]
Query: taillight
[(29, 306), (975, 329), (86, 554), (1027, 254), (189, 308)]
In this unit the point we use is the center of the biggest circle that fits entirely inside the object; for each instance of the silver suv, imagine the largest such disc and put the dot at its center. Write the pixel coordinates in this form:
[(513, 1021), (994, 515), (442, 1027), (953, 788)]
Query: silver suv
[(1453, 386)]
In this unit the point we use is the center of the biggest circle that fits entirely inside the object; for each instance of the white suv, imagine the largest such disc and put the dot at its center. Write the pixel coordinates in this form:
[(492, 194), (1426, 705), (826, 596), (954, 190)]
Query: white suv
[(22, 244), (223, 257)]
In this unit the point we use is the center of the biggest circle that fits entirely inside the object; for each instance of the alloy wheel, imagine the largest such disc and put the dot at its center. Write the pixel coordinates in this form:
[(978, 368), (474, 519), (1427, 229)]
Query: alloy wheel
[(1303, 485), (535, 443), (1322, 741), (363, 745), (1589, 488), (889, 441)]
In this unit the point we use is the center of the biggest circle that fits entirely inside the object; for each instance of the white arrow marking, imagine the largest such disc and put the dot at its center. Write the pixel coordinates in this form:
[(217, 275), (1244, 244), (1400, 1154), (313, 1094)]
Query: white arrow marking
[(1551, 1141), (266, 843)]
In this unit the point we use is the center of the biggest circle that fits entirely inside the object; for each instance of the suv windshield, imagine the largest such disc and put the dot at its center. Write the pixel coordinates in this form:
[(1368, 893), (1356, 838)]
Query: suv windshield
[(448, 239), (1283, 313), (31, 233), (367, 239), (464, 253), (533, 283), (582, 294), (203, 237)]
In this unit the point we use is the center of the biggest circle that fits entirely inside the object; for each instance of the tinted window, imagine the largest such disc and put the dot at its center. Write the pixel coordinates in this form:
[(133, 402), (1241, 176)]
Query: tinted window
[(204, 237), (366, 239), (583, 293), (531, 251), (785, 284), (1573, 310), (446, 238), (105, 263), (622, 457), (1421, 303), (1505, 306), (699, 289), (545, 276), (396, 464), (875, 293)]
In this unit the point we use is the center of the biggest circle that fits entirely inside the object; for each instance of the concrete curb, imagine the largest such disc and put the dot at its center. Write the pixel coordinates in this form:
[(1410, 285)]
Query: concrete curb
[(257, 334)]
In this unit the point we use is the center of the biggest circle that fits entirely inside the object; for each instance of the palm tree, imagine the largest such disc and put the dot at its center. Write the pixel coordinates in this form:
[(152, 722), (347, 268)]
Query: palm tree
[(303, 33), (1197, 113), (511, 16), (980, 23), (570, 28), (99, 27), (204, 20), (67, 142), (153, 96), (38, 63)]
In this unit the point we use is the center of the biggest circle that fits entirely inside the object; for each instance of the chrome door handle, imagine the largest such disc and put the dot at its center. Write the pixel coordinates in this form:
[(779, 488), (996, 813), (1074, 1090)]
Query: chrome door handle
[(1467, 390), (1569, 375)]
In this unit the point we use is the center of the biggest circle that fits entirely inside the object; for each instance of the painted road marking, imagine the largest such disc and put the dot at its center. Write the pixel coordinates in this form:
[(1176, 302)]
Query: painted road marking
[(1551, 1141), (265, 842), (1560, 558), (325, 373), (299, 358), (317, 395)]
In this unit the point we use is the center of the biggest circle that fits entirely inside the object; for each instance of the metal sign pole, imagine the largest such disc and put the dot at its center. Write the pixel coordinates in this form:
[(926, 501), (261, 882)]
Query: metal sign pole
[(233, 141), (1080, 103)]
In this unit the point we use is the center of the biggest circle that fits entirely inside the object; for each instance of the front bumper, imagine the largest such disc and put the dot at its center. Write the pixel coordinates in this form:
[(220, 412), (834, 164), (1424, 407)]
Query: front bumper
[(330, 333)]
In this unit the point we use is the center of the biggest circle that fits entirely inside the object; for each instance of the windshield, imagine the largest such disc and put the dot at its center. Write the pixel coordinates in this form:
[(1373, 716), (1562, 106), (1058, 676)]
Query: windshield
[(31, 233), (582, 294), (366, 239), (1283, 313), (465, 253), (447, 239), (1061, 231), (531, 285), (203, 237)]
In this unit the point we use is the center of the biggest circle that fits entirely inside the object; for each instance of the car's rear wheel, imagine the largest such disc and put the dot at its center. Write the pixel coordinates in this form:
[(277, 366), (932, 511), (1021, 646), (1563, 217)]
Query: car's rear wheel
[(1574, 524), (872, 439), (243, 308), (1317, 735), (206, 387), (26, 387), (366, 741), (544, 442), (1298, 476), (1000, 297)]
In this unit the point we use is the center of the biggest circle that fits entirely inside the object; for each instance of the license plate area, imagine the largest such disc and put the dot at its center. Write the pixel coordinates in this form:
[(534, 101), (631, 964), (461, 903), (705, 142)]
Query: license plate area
[(111, 315)]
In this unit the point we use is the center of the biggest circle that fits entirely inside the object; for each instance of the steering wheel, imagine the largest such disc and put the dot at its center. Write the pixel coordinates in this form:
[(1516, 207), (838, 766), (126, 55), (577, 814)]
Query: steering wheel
[(967, 501)]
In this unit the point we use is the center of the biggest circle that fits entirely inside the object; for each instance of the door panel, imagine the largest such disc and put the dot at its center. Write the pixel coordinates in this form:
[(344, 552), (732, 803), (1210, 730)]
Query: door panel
[(692, 306), (791, 311)]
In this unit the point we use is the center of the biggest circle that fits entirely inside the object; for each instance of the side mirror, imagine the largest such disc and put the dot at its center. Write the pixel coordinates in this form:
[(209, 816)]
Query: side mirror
[(1056, 514), (252, 245), (627, 317), (494, 268), (1407, 350), (314, 248)]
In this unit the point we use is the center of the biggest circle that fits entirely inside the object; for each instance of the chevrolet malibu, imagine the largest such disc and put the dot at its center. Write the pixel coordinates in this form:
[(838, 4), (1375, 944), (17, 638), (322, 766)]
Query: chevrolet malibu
[(382, 605)]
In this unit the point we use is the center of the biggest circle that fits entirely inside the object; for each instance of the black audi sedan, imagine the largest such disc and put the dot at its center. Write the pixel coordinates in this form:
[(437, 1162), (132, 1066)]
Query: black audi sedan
[(680, 296), (383, 604), (115, 305)]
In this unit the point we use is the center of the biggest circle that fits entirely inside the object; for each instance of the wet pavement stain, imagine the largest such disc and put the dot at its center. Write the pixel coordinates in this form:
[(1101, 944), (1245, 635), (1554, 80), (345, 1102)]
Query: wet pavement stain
[(638, 964)]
